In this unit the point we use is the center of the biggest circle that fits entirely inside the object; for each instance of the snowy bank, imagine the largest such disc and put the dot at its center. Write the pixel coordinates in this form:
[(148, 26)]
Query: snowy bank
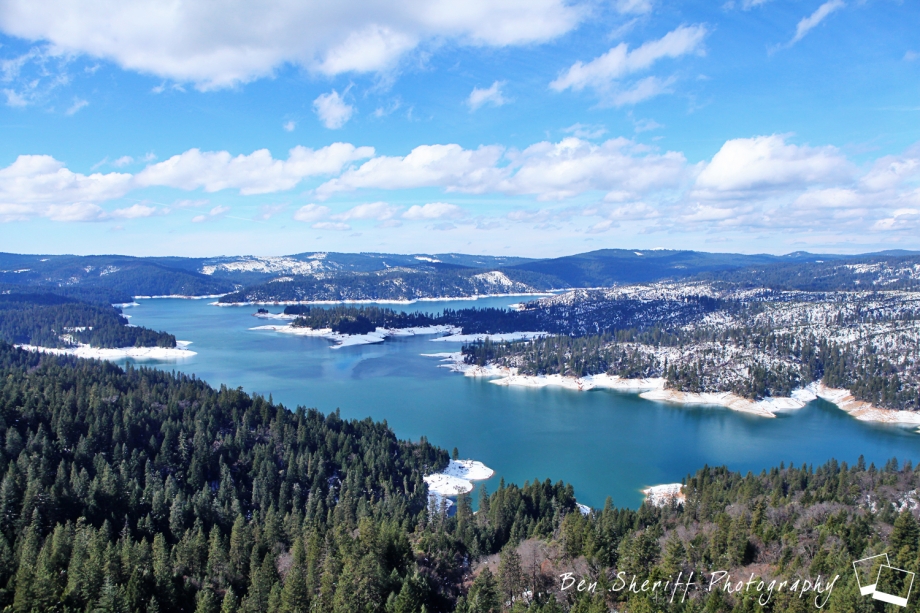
[(345, 340), (510, 376), (457, 478), (762, 408), (863, 411), (367, 301), (662, 495), (180, 296), (180, 351)]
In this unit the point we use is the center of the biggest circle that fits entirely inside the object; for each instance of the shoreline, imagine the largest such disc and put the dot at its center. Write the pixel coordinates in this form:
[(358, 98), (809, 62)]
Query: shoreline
[(456, 479), (654, 389), (662, 495), (348, 340), (179, 297), (363, 301), (180, 351)]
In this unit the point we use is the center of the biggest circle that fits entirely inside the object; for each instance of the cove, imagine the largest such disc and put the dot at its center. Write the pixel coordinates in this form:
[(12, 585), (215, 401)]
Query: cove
[(605, 443)]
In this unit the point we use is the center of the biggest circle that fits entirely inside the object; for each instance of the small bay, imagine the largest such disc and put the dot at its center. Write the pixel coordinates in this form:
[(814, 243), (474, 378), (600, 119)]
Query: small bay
[(605, 443)]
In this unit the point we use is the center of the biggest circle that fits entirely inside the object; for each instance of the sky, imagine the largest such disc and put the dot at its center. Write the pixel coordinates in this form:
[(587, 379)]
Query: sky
[(535, 128)]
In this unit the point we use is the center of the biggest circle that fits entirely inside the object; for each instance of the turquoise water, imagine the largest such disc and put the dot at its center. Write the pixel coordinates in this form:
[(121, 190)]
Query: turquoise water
[(604, 443)]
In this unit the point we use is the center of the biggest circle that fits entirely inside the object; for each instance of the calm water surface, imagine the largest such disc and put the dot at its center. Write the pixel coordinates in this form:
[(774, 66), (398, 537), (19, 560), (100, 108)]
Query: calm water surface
[(604, 443)]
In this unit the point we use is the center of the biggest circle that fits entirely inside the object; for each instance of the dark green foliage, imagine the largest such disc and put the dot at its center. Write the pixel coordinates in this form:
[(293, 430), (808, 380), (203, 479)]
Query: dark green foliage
[(43, 319), (140, 490)]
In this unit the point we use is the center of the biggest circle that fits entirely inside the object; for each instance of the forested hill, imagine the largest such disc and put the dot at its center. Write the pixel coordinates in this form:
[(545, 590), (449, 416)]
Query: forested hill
[(145, 491), (52, 320)]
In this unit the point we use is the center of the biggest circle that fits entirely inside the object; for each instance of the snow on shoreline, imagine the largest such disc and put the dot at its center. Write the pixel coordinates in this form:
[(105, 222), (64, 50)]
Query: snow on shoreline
[(367, 301), (662, 495), (457, 478), (179, 296), (654, 389), (180, 351), (346, 340)]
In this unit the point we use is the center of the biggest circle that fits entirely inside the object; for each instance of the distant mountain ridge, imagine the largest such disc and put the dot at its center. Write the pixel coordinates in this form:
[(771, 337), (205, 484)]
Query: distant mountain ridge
[(334, 276)]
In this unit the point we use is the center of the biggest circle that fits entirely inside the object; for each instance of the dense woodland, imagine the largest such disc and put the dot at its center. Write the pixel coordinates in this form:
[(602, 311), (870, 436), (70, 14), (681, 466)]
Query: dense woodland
[(144, 491), (392, 284), (659, 353), (51, 320)]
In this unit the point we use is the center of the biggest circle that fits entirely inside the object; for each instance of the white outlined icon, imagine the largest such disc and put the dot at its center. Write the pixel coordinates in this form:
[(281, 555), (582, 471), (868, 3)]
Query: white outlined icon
[(867, 572), (893, 585), (877, 578)]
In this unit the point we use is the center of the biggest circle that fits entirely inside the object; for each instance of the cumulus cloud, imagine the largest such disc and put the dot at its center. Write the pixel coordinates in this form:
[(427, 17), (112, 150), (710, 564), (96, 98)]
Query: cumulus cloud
[(289, 126), (214, 46), (449, 166), (332, 110), (546, 170), (604, 73), (380, 211), (768, 162), (809, 23), (311, 212), (256, 173), (490, 95), (136, 211), (434, 210), (39, 185)]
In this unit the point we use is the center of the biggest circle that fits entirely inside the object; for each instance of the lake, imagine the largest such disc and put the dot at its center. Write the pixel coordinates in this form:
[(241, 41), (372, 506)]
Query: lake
[(605, 443)]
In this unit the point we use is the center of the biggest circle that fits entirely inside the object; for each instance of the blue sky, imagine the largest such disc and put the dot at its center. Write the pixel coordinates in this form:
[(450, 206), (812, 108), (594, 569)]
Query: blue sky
[(527, 127)]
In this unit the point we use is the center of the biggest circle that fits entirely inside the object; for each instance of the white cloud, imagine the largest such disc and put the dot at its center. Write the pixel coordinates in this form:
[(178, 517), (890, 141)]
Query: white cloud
[(39, 185), (218, 45), (449, 166), (635, 7), (603, 72), (749, 4), (215, 213), (491, 95), (77, 211), (289, 126), (256, 173), (768, 162), (78, 103), (135, 211), (910, 56), (589, 132), (434, 210), (807, 24), (332, 110), (646, 88), (331, 225), (311, 212), (121, 162), (573, 166), (547, 170), (372, 210)]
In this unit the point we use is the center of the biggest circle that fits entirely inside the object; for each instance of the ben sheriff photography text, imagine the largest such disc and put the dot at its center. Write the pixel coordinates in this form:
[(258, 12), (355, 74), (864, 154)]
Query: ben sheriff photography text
[(722, 580), (506, 306)]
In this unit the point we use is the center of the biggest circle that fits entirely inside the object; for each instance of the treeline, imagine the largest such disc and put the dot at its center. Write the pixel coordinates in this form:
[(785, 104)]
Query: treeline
[(393, 284), (785, 524), (50, 320), (565, 355), (854, 274), (140, 490), (356, 320), (738, 360)]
